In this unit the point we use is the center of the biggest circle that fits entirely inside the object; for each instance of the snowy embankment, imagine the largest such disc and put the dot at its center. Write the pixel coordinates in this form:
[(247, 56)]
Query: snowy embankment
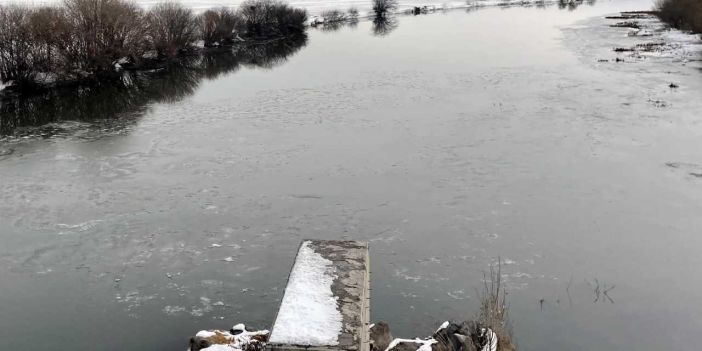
[(308, 314), (657, 39), (236, 339)]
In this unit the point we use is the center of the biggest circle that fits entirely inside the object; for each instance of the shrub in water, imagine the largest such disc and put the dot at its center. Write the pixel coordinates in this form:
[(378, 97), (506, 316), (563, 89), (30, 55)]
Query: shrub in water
[(270, 18), (382, 8), (217, 26), (681, 14), (172, 28), (333, 16), (101, 32)]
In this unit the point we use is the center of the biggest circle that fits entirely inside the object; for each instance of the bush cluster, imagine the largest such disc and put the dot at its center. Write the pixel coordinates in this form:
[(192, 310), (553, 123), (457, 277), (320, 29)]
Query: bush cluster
[(681, 14), (85, 39), (384, 8)]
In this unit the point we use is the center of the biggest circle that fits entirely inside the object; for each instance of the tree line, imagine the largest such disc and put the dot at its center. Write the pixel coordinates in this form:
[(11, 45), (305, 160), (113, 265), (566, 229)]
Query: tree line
[(87, 39)]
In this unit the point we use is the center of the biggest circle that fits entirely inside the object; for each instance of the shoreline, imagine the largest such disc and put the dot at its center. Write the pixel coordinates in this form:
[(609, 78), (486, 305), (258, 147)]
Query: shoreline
[(48, 81)]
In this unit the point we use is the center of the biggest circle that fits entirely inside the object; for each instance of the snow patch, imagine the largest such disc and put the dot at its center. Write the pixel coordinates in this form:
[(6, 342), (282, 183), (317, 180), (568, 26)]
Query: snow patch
[(205, 334), (444, 325), (225, 341), (491, 345), (425, 344), (308, 313), (4, 85)]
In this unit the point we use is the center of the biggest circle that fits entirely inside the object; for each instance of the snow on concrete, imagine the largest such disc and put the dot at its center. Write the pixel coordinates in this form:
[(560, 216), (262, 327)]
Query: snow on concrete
[(218, 347), (308, 314)]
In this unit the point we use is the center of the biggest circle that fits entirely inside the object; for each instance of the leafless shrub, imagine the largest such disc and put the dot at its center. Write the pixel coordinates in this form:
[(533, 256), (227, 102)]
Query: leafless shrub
[(217, 26), (384, 7), (50, 33), (384, 25), (353, 14), (333, 16), (88, 39), (172, 28), (271, 18), (681, 14), (101, 32), (17, 51)]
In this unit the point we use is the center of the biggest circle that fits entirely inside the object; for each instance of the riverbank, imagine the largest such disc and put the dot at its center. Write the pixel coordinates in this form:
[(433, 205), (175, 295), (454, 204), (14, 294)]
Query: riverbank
[(654, 39), (93, 41), (457, 138), (52, 48)]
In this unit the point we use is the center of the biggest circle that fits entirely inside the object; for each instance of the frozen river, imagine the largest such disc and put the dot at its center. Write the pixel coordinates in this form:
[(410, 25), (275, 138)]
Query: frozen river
[(140, 218)]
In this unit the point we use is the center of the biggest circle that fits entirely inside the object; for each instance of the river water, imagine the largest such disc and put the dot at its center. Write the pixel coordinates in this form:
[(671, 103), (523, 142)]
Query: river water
[(139, 216)]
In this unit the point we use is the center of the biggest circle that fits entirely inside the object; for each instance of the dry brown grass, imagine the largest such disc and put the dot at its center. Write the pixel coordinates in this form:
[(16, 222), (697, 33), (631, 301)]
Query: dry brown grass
[(494, 310)]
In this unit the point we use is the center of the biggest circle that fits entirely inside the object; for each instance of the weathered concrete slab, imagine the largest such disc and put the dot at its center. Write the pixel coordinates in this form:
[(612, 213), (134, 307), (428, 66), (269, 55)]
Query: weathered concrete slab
[(344, 281)]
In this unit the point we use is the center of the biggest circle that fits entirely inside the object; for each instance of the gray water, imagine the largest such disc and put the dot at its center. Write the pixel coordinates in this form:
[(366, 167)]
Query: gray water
[(453, 140)]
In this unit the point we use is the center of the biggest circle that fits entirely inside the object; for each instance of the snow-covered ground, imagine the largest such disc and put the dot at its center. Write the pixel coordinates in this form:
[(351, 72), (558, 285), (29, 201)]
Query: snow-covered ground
[(662, 41), (308, 314)]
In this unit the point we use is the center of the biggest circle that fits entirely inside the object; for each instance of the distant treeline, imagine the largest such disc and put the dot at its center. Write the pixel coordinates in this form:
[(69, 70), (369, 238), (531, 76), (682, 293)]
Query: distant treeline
[(681, 14), (88, 39)]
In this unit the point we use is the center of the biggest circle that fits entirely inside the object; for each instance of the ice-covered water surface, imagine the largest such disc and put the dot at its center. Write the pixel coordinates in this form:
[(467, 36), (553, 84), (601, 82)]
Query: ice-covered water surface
[(452, 140)]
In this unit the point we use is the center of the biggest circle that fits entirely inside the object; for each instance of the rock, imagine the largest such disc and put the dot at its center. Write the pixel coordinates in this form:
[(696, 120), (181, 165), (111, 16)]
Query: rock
[(380, 336), (243, 340)]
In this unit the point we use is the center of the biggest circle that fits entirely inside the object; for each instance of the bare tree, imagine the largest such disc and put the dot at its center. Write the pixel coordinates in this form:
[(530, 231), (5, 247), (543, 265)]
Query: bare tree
[(383, 8), (103, 31), (271, 18), (18, 53), (217, 26), (172, 28)]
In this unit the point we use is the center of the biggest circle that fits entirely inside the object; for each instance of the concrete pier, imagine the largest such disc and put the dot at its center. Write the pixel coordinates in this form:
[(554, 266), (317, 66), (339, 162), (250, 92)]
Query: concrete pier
[(342, 293)]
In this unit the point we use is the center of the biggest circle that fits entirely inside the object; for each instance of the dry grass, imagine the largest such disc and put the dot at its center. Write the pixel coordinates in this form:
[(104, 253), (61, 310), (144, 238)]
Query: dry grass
[(494, 310)]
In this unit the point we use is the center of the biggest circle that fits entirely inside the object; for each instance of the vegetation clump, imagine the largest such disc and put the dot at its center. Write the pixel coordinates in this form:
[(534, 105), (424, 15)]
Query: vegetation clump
[(93, 39), (270, 18), (384, 8), (681, 14), (494, 310)]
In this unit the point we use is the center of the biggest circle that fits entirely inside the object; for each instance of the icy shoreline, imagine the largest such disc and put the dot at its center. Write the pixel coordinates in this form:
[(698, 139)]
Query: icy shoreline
[(661, 41)]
